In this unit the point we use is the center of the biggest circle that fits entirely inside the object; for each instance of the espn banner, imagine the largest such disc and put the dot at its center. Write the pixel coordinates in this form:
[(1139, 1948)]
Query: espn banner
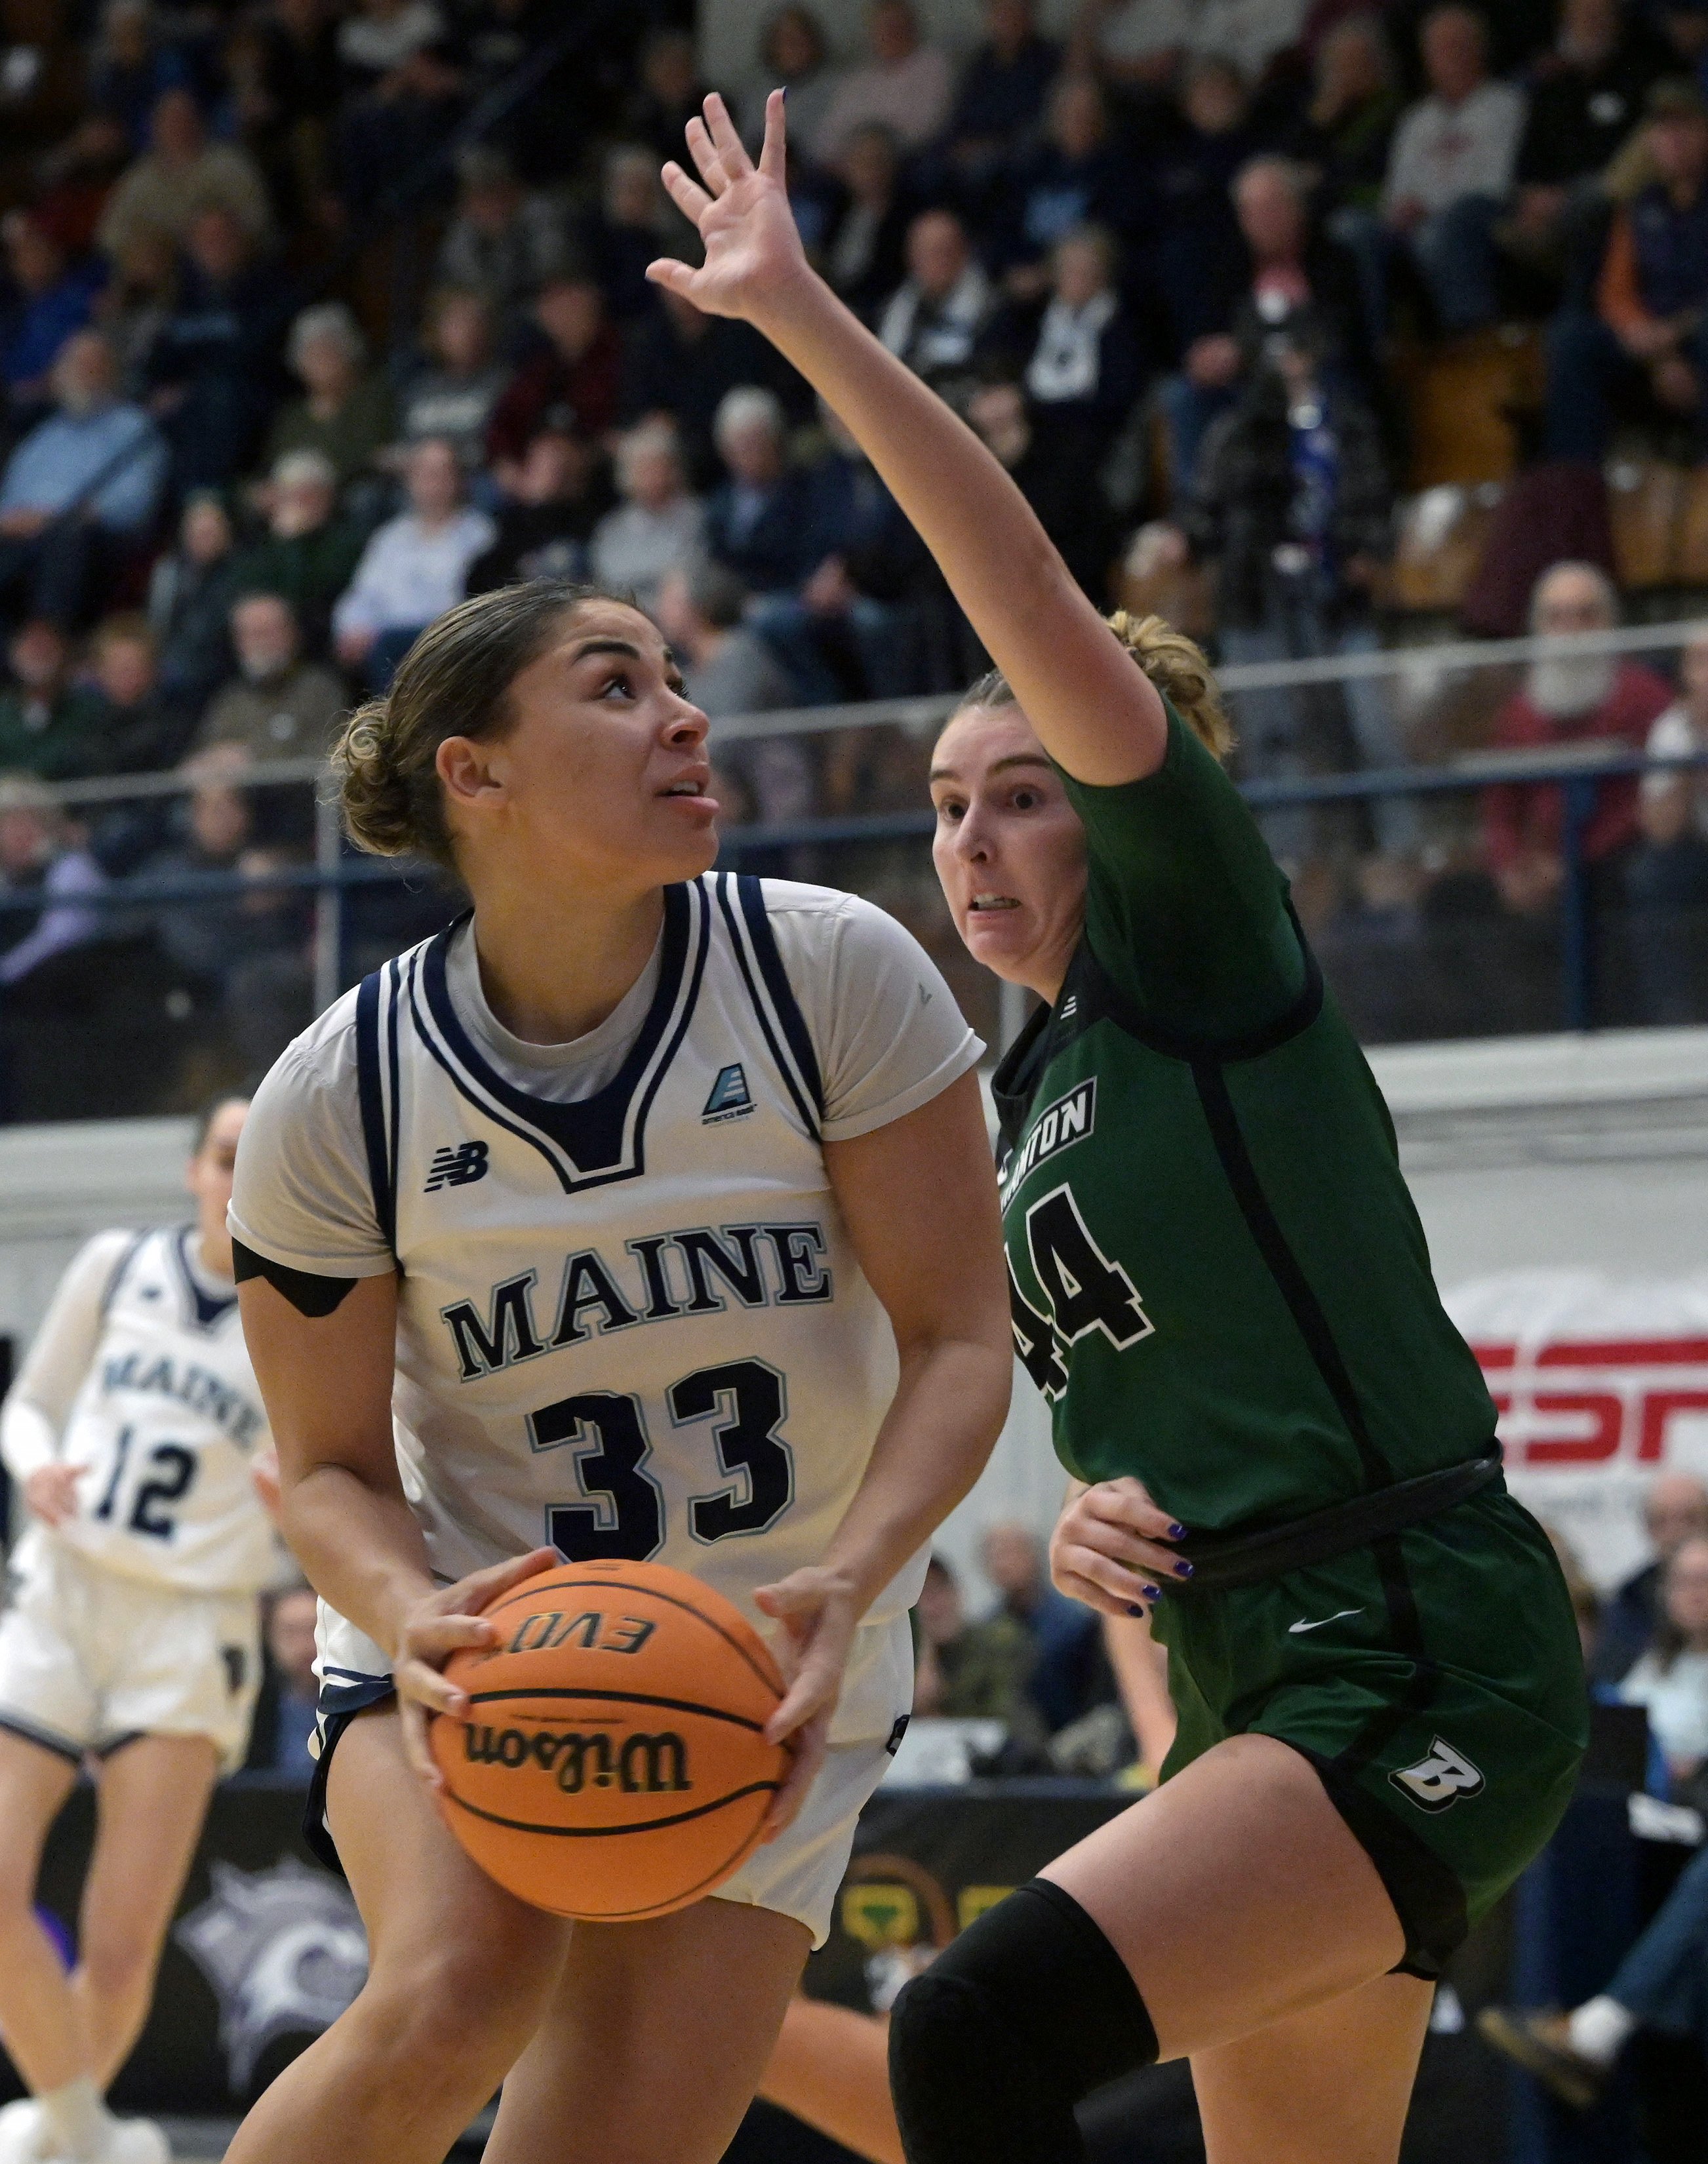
[(1601, 1383)]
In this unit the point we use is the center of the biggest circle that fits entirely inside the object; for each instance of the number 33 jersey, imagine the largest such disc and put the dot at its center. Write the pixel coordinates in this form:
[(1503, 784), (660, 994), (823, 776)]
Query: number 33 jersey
[(141, 1367), (631, 1319)]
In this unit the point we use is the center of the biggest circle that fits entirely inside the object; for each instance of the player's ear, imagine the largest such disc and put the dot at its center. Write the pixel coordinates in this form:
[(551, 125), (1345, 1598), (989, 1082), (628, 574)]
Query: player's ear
[(464, 767)]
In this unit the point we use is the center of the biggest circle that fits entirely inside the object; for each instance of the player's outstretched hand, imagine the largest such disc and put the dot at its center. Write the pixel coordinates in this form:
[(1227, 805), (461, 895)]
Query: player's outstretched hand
[(817, 1610), (51, 1492), (754, 255), (1112, 1548), (442, 1625)]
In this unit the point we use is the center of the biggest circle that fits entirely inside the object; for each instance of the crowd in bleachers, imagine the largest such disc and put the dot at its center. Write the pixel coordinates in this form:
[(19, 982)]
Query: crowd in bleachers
[(317, 315)]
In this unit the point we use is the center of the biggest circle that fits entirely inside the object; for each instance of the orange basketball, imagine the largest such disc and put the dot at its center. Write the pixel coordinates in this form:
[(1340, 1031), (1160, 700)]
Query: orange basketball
[(614, 1764)]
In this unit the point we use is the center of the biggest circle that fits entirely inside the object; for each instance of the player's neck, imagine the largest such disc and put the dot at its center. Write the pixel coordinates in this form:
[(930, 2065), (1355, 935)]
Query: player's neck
[(553, 966)]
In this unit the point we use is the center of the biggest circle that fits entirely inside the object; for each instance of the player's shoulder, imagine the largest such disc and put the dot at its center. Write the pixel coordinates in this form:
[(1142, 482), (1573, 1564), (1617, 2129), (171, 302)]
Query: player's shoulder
[(818, 918)]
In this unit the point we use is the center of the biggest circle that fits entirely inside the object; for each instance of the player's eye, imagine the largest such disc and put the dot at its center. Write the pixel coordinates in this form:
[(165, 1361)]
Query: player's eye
[(1026, 800), (949, 807), (616, 682)]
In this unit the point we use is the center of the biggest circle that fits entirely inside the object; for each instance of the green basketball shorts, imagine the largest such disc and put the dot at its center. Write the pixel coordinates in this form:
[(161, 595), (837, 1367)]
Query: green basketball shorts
[(1435, 1682)]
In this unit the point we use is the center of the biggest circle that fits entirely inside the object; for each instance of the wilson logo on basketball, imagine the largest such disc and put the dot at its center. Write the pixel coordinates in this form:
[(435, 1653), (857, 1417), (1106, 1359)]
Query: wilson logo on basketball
[(640, 1766)]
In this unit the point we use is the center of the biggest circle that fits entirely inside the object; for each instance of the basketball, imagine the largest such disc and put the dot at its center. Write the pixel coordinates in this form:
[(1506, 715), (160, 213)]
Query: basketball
[(614, 1764)]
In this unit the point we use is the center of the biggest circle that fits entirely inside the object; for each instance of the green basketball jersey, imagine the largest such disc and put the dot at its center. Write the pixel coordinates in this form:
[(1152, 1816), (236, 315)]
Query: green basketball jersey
[(1219, 1279)]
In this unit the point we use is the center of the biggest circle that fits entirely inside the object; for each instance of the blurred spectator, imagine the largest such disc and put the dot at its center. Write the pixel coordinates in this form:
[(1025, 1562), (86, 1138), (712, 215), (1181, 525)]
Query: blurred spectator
[(680, 364), (864, 255), (1066, 1638), (53, 300), (189, 598), (130, 66), (1567, 698), (293, 96), (573, 368), (1197, 257), (1649, 330), (414, 568), (759, 522), (216, 823), (668, 94), (1000, 101), (133, 306), (1135, 44), (727, 668), (626, 232), (1085, 368), (280, 706), (1450, 172), (97, 461), (1252, 34), (1344, 134), (42, 863), (309, 553), (659, 526), (285, 1705), (1077, 175), (46, 722), (792, 57), (347, 417), (504, 242), (1080, 523), (401, 88), (546, 523), (1666, 882), (74, 180), (182, 173), (138, 728), (454, 394), (904, 87), (1293, 503), (967, 1671), (1670, 1679), (934, 318), (1675, 1511), (210, 368)]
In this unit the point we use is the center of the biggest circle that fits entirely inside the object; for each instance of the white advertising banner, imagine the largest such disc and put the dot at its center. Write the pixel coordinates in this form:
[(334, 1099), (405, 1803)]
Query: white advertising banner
[(1600, 1382)]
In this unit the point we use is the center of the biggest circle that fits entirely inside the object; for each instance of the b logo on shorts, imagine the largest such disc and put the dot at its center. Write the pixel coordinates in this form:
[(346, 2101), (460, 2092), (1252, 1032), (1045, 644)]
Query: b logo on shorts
[(1437, 1783)]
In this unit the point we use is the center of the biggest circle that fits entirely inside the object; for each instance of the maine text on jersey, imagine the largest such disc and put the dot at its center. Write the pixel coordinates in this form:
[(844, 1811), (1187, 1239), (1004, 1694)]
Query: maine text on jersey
[(191, 1386), (669, 1275)]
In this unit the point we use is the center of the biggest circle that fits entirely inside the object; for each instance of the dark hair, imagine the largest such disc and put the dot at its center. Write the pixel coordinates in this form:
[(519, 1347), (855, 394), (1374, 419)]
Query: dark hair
[(208, 1110), (1668, 1640), (455, 681)]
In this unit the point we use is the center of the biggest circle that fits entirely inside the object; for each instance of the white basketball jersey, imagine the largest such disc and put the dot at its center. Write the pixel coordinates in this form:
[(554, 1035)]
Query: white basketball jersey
[(633, 1325), (166, 1422)]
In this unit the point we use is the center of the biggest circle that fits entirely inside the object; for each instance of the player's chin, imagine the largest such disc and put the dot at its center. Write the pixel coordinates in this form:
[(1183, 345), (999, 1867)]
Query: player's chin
[(1001, 939)]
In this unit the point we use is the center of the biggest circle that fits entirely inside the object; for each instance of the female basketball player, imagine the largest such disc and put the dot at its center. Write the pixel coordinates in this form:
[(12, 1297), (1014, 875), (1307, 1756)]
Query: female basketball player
[(636, 1197), (1220, 1282), (131, 1639)]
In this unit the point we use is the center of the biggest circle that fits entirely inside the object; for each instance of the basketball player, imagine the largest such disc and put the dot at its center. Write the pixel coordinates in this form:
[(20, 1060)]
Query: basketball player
[(1220, 1283), (130, 1644), (646, 1212)]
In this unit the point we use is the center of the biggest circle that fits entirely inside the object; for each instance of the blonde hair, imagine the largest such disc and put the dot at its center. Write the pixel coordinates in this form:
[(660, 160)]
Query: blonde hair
[(1176, 664)]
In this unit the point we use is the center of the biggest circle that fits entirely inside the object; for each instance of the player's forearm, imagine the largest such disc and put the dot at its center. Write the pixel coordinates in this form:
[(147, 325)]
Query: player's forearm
[(28, 1440), (361, 1550), (941, 1427)]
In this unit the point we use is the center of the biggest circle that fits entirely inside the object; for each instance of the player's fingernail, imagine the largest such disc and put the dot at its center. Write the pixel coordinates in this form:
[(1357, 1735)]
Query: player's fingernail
[(1177, 1532), (1153, 1592), (1183, 1570), (1134, 1607)]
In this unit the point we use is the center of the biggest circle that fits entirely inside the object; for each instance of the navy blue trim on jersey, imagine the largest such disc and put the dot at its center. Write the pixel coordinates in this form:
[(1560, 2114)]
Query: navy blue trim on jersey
[(782, 992), (119, 1271), (803, 1084), (207, 1310), (395, 970), (370, 1092)]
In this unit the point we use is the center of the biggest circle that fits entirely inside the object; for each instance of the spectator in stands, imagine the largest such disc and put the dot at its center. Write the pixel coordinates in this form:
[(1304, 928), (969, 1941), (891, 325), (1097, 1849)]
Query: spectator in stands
[(547, 520), (309, 552), (1196, 255), (279, 706), (1450, 173), (967, 1671), (1671, 1679), (1000, 100), (864, 255), (792, 55), (1077, 175), (1667, 880), (904, 87), (75, 179), (53, 299), (934, 319), (285, 1705), (211, 369), (1253, 33), (573, 368), (46, 721), (182, 173), (1649, 328), (138, 728), (82, 489), (759, 522), (130, 66), (669, 92), (1076, 517), (1567, 699), (1675, 1511), (349, 418), (1136, 46), (40, 862), (504, 242), (133, 306), (401, 86), (214, 823), (1066, 1638), (190, 593), (1085, 368), (454, 394), (1345, 133), (659, 526), (727, 668), (679, 364), (626, 232), (414, 568)]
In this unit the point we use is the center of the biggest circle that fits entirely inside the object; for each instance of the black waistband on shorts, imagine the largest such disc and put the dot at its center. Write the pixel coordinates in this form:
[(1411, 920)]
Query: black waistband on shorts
[(1222, 1562)]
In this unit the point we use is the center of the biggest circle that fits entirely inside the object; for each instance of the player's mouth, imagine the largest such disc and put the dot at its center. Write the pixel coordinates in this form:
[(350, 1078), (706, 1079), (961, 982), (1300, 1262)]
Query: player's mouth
[(990, 905), (692, 788)]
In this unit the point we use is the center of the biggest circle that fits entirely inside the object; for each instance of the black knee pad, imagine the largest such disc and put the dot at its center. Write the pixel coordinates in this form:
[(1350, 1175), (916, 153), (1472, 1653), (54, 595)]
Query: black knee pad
[(1029, 2011)]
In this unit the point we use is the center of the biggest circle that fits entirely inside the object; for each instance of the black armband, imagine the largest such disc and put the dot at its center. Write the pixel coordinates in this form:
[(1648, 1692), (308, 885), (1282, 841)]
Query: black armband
[(308, 1292)]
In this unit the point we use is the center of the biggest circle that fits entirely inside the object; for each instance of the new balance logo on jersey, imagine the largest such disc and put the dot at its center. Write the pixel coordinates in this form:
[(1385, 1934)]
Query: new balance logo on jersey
[(1438, 1782), (1071, 1119), (730, 1100), (459, 1167)]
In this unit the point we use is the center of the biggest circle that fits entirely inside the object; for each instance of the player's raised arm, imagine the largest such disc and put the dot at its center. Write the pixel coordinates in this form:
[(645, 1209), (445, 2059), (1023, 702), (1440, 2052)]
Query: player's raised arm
[(1094, 712)]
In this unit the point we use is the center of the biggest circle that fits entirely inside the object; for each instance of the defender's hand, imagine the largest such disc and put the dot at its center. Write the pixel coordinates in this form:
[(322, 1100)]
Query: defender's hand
[(1110, 1549), (754, 255), (436, 1627), (816, 1609), (51, 1492)]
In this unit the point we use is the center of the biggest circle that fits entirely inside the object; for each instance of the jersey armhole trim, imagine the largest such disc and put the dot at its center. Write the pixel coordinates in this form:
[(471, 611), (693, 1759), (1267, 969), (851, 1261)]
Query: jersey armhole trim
[(775, 1004), (116, 1276), (370, 1078)]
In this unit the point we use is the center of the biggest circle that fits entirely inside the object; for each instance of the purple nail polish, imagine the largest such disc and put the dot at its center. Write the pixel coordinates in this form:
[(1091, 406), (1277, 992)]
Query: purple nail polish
[(1153, 1593), (1183, 1570), (1134, 1607), (1177, 1532)]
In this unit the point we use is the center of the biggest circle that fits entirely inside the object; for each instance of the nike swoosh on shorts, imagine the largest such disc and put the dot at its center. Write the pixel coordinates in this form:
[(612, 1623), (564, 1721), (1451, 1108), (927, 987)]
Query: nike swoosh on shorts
[(1294, 1629)]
